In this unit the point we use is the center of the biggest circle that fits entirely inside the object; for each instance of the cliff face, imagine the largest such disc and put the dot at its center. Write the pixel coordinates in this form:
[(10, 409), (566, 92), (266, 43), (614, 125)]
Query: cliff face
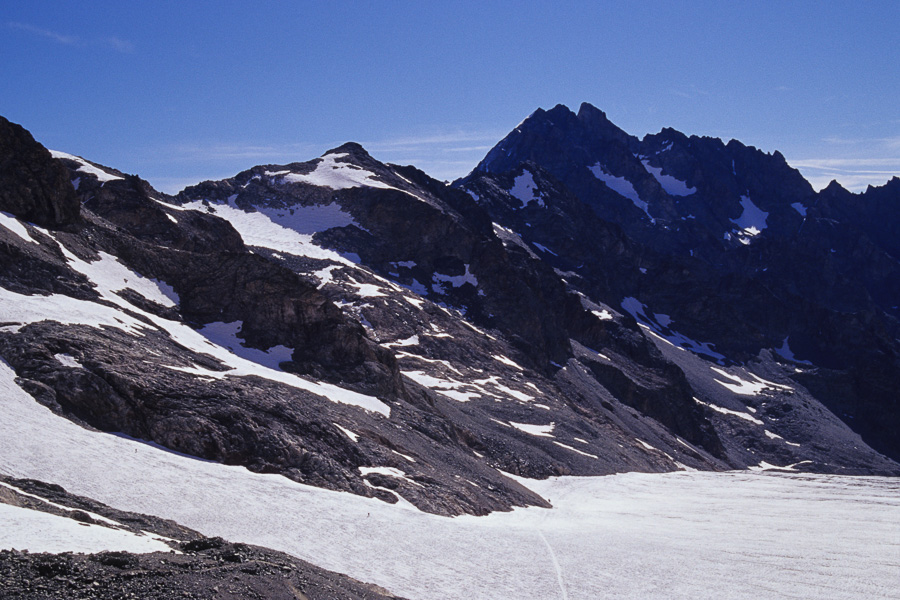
[(33, 186)]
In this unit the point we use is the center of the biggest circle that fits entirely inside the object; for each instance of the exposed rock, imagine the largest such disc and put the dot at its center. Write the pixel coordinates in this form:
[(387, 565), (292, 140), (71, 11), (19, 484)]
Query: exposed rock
[(34, 186)]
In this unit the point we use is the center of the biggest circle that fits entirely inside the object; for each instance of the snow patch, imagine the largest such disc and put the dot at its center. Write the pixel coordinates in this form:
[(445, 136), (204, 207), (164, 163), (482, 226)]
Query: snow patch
[(525, 190), (259, 229), (507, 361), (734, 413), (390, 472), (636, 309), (745, 387), (447, 387), (455, 280), (786, 353), (799, 208), (333, 173), (410, 341), (19, 308), (644, 444), (111, 276), (347, 432), (325, 276), (368, 290), (67, 360), (775, 436), (621, 186), (10, 222), (86, 167), (752, 221), (671, 185), (543, 248), (226, 335), (576, 450), (536, 430)]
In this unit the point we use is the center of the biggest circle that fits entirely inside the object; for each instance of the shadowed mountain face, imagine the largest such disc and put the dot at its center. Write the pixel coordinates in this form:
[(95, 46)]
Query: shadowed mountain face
[(583, 303), (728, 242)]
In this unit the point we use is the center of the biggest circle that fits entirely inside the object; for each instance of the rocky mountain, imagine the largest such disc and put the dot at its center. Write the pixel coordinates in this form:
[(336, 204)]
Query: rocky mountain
[(583, 303), (727, 242)]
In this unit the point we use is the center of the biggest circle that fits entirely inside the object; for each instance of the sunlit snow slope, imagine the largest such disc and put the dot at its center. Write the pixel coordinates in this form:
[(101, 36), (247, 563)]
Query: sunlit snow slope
[(684, 535)]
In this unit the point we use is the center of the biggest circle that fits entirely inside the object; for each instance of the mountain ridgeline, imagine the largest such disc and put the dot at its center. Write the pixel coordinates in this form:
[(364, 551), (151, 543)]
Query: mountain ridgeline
[(582, 303)]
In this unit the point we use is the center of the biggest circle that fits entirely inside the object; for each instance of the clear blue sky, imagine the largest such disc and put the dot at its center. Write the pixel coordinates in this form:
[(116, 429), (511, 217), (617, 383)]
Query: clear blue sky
[(178, 92)]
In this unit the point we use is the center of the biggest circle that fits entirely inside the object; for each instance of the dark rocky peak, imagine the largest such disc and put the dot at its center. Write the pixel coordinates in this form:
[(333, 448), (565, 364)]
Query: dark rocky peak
[(877, 212), (353, 149), (33, 186), (598, 126), (834, 189), (666, 140), (559, 140), (892, 187), (768, 176), (558, 117)]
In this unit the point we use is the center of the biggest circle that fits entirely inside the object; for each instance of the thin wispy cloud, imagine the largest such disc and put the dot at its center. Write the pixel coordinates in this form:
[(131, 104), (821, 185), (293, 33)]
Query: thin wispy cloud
[(441, 141), (119, 45), (113, 42), (854, 164), (885, 142), (230, 151), (445, 156), (855, 174), (469, 149), (69, 40), (693, 92)]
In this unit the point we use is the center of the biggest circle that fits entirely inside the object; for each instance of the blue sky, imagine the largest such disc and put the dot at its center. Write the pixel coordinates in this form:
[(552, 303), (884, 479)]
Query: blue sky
[(178, 92)]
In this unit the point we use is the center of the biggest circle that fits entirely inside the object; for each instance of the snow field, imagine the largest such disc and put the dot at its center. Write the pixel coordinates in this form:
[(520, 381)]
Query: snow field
[(727, 536), (333, 173), (260, 229), (35, 531)]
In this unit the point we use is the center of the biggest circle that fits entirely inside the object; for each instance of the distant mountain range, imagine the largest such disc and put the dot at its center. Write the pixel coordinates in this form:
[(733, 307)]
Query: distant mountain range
[(583, 303)]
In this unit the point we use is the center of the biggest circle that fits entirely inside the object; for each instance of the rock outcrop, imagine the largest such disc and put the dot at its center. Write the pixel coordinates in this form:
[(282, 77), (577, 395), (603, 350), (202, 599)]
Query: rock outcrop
[(33, 186)]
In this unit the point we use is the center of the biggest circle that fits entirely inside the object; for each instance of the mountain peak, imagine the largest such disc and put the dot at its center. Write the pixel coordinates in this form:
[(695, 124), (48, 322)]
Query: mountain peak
[(589, 111), (351, 148), (834, 188)]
